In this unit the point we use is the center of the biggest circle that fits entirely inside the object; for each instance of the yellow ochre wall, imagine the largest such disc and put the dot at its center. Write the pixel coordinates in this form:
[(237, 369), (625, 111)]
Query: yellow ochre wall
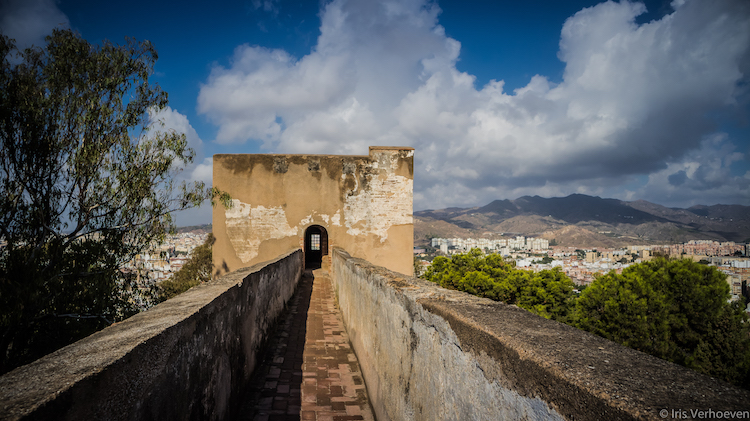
[(364, 202)]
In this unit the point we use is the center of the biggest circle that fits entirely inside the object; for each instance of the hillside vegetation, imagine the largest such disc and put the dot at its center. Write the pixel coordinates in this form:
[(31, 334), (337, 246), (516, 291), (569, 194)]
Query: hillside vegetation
[(195, 271)]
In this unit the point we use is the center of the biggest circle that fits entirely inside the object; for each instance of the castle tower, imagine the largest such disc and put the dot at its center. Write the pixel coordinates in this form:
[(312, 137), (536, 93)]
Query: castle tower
[(363, 204)]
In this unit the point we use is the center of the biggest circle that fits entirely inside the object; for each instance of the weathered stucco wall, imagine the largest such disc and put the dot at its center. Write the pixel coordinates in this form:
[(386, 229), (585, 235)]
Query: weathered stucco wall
[(432, 354), (364, 203), (188, 358)]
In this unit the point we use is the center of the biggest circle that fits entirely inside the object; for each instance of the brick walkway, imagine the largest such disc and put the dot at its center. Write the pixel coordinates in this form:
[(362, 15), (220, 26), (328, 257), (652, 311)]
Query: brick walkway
[(310, 371)]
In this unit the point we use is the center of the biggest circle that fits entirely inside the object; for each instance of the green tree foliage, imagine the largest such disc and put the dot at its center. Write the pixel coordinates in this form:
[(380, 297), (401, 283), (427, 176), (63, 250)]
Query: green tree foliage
[(85, 187), (677, 310), (544, 260), (547, 293), (195, 271)]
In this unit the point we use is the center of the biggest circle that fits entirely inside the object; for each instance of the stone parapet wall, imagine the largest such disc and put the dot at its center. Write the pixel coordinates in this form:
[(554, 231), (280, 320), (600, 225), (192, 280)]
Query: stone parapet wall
[(428, 353), (187, 358)]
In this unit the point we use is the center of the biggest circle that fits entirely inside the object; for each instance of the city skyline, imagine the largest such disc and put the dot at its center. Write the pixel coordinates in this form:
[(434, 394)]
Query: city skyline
[(500, 100)]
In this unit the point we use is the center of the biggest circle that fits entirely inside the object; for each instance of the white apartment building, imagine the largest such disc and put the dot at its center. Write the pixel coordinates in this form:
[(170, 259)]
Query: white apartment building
[(466, 244)]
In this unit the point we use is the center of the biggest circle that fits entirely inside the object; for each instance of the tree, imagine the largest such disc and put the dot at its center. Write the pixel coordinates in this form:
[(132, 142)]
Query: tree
[(86, 185), (677, 310), (627, 310), (548, 293), (544, 260), (195, 271)]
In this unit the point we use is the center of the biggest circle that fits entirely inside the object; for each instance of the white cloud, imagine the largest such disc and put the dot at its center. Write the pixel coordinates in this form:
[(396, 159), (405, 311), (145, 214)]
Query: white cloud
[(169, 119), (29, 21), (204, 171), (263, 84), (201, 168), (634, 99), (367, 58)]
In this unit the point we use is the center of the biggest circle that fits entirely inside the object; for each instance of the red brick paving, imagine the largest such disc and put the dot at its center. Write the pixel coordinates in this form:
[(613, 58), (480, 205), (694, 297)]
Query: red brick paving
[(310, 371)]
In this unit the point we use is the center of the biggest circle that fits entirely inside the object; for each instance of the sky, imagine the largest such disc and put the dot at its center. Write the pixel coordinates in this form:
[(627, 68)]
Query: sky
[(500, 99)]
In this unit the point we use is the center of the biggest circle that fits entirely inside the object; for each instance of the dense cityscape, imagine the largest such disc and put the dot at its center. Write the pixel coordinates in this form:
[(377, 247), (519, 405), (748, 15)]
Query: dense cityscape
[(582, 265), (160, 263)]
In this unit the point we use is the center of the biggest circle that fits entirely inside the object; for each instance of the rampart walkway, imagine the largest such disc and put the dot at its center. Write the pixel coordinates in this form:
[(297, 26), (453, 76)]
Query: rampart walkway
[(427, 354), (309, 371)]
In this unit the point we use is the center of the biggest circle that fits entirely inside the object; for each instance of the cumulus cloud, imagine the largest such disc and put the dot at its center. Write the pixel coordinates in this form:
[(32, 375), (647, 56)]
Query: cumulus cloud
[(167, 119), (29, 21), (201, 169), (337, 98), (634, 100), (204, 171)]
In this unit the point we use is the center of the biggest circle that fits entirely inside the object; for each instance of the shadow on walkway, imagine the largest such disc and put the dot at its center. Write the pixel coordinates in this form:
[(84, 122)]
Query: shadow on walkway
[(279, 374), (309, 371)]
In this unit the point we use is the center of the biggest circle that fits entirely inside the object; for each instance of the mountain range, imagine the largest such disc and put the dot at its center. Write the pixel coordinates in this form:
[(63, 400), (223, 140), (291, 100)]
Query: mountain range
[(586, 221)]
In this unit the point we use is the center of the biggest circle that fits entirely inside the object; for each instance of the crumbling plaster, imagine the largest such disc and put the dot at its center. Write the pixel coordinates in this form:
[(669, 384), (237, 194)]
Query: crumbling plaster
[(364, 202)]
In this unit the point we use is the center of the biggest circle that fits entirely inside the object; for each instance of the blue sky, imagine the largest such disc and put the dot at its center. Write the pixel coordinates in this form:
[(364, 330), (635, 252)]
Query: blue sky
[(500, 99)]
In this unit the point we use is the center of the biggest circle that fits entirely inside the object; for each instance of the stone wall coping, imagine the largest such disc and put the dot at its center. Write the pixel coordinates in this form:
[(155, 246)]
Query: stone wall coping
[(288, 155), (371, 150), (582, 375), (29, 387), (391, 148)]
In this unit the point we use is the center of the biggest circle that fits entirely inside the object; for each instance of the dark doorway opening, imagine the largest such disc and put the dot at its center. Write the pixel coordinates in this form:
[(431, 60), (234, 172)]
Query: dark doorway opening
[(316, 246)]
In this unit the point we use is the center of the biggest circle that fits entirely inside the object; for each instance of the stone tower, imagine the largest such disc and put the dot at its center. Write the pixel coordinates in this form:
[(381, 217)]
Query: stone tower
[(280, 202)]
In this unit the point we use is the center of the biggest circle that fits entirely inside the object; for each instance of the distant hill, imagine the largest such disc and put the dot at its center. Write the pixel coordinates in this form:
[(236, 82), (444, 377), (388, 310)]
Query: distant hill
[(587, 221), (199, 229)]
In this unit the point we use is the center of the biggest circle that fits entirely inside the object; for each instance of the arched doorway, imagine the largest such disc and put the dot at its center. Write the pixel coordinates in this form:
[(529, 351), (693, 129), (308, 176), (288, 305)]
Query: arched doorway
[(316, 246)]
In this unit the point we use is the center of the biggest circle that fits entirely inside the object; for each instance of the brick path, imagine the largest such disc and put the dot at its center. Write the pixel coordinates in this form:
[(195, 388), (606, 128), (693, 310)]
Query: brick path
[(310, 371)]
